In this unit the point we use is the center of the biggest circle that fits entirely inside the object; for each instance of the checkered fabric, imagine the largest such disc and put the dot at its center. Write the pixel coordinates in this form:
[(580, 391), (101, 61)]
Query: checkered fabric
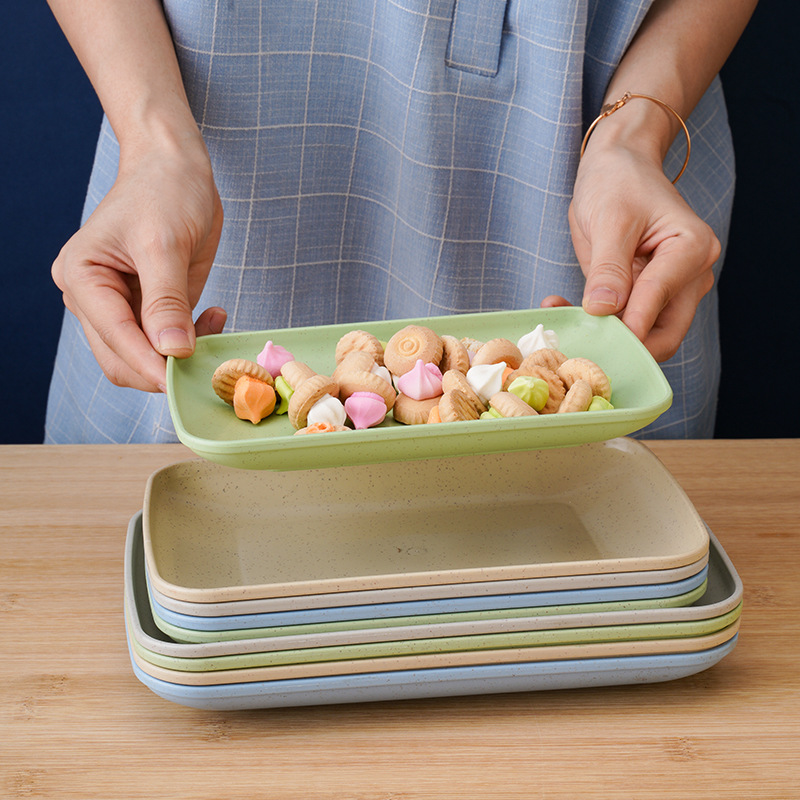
[(382, 159)]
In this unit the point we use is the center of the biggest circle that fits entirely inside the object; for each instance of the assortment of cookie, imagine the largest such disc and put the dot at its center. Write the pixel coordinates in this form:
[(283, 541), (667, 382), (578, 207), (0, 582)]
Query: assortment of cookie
[(418, 376)]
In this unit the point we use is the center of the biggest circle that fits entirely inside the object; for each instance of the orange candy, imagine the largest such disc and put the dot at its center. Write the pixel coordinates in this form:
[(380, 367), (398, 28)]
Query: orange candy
[(253, 399)]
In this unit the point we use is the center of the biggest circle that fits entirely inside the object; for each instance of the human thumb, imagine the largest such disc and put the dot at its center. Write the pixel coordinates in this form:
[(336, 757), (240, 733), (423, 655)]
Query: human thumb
[(167, 314), (609, 279)]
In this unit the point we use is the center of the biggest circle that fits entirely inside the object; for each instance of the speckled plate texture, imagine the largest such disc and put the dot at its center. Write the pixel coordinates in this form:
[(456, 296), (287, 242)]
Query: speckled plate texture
[(435, 673), (640, 394), (434, 593), (216, 534), (714, 606)]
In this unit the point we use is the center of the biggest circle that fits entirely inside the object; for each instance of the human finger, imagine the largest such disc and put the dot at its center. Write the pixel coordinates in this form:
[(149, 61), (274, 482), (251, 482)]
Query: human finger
[(554, 301), (166, 311), (211, 321), (609, 274), (680, 267), (120, 335), (670, 327)]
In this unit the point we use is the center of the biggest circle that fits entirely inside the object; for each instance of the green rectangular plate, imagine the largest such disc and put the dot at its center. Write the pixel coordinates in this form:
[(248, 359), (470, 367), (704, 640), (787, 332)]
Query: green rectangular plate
[(208, 426)]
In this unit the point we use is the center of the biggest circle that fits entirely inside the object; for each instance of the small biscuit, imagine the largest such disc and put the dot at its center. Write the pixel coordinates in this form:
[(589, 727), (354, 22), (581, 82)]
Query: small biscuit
[(359, 341), (453, 379), (454, 355), (555, 385), (455, 406), (354, 361), (410, 344), (510, 405), (472, 345), (308, 393), (365, 381), (226, 374), (296, 373), (413, 412), (577, 398), (574, 369), (545, 357), (497, 350)]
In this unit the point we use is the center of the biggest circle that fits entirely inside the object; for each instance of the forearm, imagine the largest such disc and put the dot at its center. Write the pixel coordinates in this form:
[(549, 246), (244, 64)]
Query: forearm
[(126, 50), (678, 50)]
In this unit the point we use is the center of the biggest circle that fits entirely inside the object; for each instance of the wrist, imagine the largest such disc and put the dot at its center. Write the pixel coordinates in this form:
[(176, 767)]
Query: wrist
[(168, 129), (641, 124)]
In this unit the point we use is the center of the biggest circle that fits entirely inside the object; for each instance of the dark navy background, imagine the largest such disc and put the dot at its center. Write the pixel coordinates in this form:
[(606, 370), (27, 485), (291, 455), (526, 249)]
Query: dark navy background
[(48, 128)]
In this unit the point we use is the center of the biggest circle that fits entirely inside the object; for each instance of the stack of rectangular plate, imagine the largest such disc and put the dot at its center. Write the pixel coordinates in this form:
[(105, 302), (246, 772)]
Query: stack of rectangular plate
[(517, 571)]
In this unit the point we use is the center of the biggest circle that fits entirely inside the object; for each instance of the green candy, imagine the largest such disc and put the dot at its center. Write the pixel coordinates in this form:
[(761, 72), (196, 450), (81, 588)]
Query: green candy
[(599, 404), (492, 413), (284, 392), (534, 391)]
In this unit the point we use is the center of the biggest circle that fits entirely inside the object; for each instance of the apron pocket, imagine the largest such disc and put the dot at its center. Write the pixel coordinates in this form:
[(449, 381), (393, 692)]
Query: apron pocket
[(475, 35)]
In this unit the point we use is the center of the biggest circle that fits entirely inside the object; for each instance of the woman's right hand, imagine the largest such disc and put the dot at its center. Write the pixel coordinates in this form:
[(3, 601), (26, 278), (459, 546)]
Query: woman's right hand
[(135, 270)]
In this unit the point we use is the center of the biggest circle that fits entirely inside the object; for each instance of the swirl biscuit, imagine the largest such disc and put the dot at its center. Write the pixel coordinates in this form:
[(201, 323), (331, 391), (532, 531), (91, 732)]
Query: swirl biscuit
[(410, 344)]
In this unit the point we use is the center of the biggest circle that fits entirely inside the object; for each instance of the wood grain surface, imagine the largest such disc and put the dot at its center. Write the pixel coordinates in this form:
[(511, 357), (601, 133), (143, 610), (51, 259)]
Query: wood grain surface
[(76, 723)]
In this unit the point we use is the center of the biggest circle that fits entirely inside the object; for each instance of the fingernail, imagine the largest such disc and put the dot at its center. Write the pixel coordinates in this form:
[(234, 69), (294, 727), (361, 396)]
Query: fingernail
[(173, 340), (603, 296)]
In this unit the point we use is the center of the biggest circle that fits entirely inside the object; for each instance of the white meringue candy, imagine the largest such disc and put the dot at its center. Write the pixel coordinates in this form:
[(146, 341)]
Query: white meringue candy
[(537, 339), (382, 372), (327, 409), (486, 380)]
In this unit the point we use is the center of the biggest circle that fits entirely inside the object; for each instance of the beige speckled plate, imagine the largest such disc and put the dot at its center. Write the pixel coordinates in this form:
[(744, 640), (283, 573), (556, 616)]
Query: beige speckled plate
[(217, 534), (435, 591)]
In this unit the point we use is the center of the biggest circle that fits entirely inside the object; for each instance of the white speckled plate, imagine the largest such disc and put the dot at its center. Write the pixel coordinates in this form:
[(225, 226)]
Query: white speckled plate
[(216, 534), (209, 427)]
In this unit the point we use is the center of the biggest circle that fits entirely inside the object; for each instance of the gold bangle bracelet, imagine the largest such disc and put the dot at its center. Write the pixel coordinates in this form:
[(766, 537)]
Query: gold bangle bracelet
[(610, 108)]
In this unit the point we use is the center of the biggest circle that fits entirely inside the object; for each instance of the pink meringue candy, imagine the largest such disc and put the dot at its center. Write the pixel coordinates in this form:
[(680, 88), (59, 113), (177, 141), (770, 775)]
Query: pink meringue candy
[(365, 409), (421, 382), (273, 357)]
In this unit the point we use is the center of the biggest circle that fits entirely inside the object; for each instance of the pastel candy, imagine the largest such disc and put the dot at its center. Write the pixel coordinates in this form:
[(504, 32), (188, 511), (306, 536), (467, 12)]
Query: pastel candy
[(486, 379), (421, 382), (327, 409), (537, 339), (534, 391), (365, 409), (273, 357)]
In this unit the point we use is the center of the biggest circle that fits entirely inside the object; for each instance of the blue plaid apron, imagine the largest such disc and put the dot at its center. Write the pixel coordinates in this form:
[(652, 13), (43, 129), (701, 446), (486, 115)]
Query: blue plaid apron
[(381, 159)]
